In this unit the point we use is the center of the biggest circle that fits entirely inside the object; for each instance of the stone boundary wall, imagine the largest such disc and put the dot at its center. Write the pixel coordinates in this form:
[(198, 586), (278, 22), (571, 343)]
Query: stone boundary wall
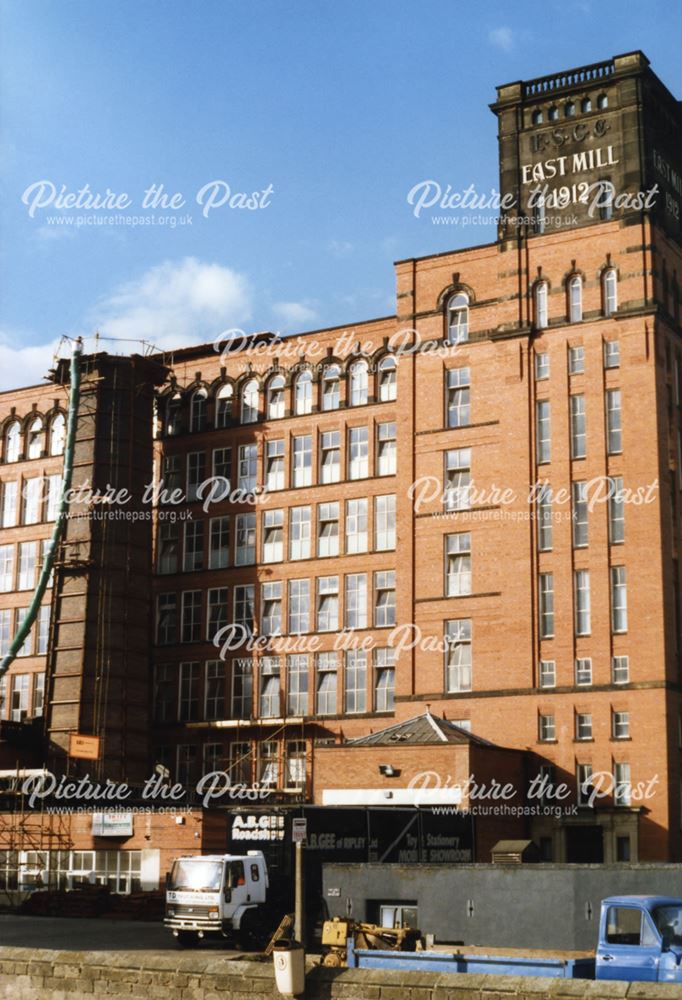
[(28, 974)]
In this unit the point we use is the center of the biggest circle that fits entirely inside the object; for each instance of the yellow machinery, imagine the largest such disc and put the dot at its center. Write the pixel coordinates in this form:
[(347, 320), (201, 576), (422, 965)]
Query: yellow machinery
[(335, 934)]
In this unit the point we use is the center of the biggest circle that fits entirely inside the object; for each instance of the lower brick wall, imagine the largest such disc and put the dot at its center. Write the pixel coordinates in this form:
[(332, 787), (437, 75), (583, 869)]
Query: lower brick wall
[(27, 974)]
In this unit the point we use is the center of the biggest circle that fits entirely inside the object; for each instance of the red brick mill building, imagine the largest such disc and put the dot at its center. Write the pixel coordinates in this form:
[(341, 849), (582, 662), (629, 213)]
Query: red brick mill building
[(463, 548)]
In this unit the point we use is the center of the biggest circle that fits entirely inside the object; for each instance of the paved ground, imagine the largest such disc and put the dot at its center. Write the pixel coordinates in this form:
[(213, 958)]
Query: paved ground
[(75, 934)]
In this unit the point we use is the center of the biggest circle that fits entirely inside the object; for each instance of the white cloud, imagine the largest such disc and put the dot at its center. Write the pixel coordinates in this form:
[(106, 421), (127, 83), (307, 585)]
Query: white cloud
[(23, 365), (340, 248), (175, 304), (294, 313), (502, 38)]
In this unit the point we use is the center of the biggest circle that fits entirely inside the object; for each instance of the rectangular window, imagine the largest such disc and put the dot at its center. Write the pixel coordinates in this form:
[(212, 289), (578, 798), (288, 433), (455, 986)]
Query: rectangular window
[(541, 366), (620, 725), (616, 511), (386, 450), (330, 457), (546, 728), (194, 546), (614, 431), (584, 781), (302, 471), (217, 611), (547, 674), (543, 430), (269, 700), (294, 764), (191, 616), (384, 598), (38, 695), (212, 757), (27, 565), (168, 547), (214, 690), (623, 785), (544, 518), (172, 476), (6, 568), (355, 683), (619, 599), (273, 536), (546, 605), (219, 550), (43, 629), (299, 532), (166, 619), (240, 756), (189, 692), (326, 683), (580, 507), (271, 607), (384, 680), (27, 646), (458, 655), (611, 354), (299, 606), (196, 474), (268, 764), (222, 469), (328, 529), (19, 697), (242, 687), (32, 496), (327, 603), (297, 685), (247, 468), (356, 600), (620, 670), (458, 399), (246, 540), (358, 452), (576, 360), (5, 632), (581, 580), (578, 427), (8, 515), (458, 564), (274, 465), (583, 726), (186, 763), (384, 523), (356, 526), (583, 671), (54, 495), (458, 479)]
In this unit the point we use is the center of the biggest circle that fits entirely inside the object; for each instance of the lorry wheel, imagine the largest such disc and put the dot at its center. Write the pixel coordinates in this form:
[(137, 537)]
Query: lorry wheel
[(187, 939), (250, 935)]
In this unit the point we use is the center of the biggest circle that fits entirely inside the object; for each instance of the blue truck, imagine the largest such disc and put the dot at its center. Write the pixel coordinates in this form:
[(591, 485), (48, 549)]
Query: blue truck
[(640, 940)]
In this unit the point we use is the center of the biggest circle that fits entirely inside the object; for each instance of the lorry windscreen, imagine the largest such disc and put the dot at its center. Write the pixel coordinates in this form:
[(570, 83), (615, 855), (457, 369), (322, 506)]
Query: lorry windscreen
[(668, 920), (197, 876)]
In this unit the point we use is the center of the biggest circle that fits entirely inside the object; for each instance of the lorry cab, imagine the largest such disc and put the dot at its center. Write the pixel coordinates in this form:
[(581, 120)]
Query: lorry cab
[(640, 938), (211, 894)]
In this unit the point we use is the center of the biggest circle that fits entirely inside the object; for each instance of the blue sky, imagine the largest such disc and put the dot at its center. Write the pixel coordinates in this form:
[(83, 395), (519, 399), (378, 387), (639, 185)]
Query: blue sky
[(340, 108)]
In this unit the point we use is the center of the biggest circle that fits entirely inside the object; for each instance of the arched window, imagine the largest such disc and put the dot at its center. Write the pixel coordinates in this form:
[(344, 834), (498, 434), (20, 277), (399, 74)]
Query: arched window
[(586, 105), (537, 117), (539, 215), (541, 312), (605, 199), (458, 318), (553, 113), (13, 441), (359, 383), (303, 394), (276, 397), (602, 102), (610, 291), (250, 402), (331, 395), (388, 379), (223, 405), (174, 414), (569, 110), (34, 448), (197, 411), (575, 299), (57, 434)]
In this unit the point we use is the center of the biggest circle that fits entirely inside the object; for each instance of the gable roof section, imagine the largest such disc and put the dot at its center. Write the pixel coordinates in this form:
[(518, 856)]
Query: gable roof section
[(422, 730)]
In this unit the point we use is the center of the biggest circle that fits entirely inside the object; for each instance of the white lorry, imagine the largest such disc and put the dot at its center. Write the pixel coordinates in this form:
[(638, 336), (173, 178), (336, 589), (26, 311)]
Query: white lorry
[(219, 895)]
